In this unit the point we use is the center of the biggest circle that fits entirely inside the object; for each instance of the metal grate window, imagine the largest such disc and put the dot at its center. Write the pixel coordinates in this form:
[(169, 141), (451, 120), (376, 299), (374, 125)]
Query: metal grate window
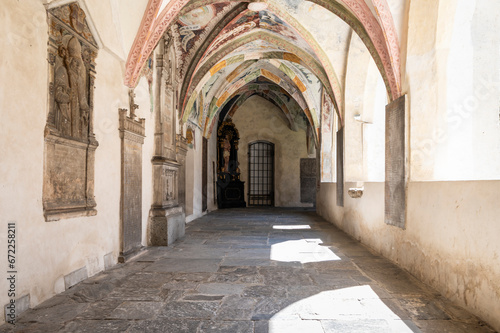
[(261, 173)]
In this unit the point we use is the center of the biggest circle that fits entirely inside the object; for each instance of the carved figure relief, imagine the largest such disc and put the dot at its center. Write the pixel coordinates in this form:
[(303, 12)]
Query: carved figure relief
[(68, 189), (77, 18), (72, 107)]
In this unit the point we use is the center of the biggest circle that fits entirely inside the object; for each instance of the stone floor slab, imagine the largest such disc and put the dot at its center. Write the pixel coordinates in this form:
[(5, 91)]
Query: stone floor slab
[(165, 326), (227, 327), (189, 310), (136, 310), (185, 265), (256, 271)]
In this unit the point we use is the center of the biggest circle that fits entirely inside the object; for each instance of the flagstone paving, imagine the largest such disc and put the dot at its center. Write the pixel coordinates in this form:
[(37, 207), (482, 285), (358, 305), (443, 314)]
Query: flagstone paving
[(252, 270)]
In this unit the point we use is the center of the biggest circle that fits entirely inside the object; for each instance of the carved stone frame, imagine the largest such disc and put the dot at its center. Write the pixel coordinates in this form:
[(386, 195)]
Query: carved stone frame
[(68, 185)]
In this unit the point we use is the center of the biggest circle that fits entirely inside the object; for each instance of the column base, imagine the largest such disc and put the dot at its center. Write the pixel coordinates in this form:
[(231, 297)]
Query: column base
[(166, 225)]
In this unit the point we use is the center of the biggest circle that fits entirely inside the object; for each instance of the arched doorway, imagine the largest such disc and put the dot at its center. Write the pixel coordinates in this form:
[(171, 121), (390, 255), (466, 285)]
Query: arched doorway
[(261, 173)]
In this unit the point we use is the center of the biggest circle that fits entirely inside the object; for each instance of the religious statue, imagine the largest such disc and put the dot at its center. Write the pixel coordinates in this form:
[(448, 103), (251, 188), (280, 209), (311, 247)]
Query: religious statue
[(71, 89), (230, 188), (227, 152)]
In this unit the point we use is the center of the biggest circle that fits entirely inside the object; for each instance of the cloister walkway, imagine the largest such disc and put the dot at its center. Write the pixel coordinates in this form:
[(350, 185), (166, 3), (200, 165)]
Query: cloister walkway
[(252, 270)]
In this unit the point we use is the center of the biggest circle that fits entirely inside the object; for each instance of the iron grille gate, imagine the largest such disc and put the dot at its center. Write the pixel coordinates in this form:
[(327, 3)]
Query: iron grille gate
[(261, 173)]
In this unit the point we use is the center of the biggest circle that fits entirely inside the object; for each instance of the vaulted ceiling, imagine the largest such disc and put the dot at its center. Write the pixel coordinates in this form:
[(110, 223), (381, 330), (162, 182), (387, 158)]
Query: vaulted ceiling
[(293, 53)]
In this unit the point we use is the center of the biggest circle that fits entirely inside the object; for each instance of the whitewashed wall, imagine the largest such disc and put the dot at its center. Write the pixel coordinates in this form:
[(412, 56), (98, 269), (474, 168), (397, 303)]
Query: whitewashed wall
[(47, 251), (451, 79)]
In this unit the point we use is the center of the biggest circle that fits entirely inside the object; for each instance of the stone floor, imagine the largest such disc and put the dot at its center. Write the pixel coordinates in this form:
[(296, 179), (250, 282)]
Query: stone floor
[(252, 270)]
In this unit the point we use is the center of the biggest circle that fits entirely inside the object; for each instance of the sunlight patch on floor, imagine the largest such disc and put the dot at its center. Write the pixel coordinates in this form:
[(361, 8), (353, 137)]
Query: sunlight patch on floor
[(354, 309), (292, 227), (303, 251)]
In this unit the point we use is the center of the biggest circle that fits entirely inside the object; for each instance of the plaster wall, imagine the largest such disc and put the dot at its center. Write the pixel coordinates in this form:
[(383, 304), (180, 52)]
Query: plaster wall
[(47, 251), (364, 120), (453, 65), (194, 160), (258, 119), (189, 182), (436, 246), (193, 178)]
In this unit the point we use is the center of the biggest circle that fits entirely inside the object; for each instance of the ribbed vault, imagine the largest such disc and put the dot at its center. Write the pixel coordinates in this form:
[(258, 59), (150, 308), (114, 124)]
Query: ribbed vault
[(227, 53)]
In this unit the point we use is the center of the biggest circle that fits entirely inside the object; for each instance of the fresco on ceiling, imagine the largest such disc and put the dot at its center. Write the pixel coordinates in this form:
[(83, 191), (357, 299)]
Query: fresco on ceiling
[(313, 84), (192, 24), (258, 46), (215, 63), (248, 21), (211, 82), (196, 114), (214, 87), (327, 122), (192, 28), (270, 21)]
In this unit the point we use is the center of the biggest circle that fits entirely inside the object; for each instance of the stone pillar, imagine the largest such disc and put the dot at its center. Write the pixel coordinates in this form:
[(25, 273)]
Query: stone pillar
[(132, 134), (167, 217)]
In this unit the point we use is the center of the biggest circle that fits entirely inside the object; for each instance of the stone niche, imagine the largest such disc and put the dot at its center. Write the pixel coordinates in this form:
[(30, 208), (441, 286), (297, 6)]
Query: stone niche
[(70, 144)]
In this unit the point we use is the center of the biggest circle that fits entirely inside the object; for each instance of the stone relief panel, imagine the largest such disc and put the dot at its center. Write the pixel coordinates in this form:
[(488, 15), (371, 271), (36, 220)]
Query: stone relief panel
[(70, 143), (308, 169), (132, 133), (170, 179), (340, 167), (395, 163)]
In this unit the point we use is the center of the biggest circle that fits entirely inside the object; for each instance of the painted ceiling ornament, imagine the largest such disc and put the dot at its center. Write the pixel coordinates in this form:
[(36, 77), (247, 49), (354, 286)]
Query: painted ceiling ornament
[(257, 6), (196, 19), (77, 17)]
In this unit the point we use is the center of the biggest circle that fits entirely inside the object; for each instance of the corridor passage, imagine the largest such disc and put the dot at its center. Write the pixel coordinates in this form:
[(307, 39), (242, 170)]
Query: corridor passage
[(252, 270)]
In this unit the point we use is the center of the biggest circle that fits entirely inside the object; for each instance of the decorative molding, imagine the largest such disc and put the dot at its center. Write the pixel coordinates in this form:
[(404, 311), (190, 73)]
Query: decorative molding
[(391, 35), (130, 125)]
